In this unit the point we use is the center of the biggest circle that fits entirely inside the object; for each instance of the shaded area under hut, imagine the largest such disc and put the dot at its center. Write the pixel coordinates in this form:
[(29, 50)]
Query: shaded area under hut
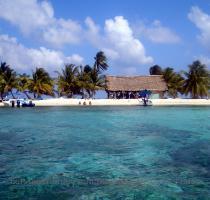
[(130, 87)]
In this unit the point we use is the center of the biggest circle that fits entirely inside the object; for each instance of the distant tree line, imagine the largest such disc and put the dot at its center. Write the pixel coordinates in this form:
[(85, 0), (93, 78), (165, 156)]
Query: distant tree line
[(86, 80), (72, 80), (194, 83)]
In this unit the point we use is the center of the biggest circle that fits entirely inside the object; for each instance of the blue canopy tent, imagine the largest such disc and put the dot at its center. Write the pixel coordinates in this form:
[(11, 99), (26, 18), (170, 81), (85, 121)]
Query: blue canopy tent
[(145, 93)]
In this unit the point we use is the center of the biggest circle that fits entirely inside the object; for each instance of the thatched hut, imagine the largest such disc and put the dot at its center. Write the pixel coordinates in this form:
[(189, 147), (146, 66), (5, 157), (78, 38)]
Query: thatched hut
[(129, 86)]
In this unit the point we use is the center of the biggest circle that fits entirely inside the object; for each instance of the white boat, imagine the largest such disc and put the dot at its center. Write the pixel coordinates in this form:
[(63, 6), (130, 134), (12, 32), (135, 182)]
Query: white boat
[(18, 103)]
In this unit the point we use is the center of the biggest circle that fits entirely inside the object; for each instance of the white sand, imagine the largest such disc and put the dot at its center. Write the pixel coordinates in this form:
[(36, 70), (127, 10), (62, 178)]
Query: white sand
[(81, 102), (120, 102), (181, 102)]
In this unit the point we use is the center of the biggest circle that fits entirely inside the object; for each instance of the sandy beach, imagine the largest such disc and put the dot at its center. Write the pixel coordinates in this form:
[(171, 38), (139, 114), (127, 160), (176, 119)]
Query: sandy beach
[(121, 102)]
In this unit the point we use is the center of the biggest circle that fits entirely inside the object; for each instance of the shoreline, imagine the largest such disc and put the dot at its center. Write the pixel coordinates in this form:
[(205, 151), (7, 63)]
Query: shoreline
[(121, 102), (118, 102)]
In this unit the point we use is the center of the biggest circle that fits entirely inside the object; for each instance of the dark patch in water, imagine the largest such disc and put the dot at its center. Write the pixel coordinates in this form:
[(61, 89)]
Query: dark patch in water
[(195, 158), (197, 153)]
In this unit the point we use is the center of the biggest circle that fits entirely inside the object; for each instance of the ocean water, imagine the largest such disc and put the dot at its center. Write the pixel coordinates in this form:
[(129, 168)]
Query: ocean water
[(105, 153)]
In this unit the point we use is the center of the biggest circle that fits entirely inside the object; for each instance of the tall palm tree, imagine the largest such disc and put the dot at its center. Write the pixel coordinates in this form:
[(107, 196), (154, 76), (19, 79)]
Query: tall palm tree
[(8, 79), (174, 82), (4, 67), (2, 84), (24, 83), (67, 81), (84, 80), (90, 81), (41, 83), (97, 82), (197, 82), (100, 62)]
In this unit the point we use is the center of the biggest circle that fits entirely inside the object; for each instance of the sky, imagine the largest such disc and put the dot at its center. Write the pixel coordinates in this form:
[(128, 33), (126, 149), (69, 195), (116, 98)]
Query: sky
[(134, 34)]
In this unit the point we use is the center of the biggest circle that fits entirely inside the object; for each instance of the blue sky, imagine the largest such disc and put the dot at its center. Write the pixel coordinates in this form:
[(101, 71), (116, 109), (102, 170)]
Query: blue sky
[(134, 34)]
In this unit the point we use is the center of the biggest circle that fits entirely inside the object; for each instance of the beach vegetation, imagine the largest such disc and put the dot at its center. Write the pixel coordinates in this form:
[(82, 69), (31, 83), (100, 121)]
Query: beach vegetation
[(174, 82), (41, 83), (23, 83), (100, 62), (8, 80), (85, 80), (67, 82), (197, 82), (155, 70)]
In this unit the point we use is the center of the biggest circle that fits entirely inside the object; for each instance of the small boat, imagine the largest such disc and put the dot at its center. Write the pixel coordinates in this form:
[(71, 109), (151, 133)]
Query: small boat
[(18, 103), (28, 104)]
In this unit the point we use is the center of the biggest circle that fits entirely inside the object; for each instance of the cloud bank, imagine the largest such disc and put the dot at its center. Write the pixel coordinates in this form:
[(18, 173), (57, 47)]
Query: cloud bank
[(37, 18), (202, 22), (117, 38), (23, 58), (157, 33)]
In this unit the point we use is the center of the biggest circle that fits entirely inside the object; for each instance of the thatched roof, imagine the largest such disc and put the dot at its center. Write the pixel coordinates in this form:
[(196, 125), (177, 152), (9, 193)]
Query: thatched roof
[(135, 83)]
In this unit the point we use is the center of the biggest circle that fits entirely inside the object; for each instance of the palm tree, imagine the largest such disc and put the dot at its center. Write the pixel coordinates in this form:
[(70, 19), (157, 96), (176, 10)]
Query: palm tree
[(67, 81), (84, 80), (197, 82), (8, 80), (24, 83), (100, 62), (2, 84), (97, 82), (174, 81), (4, 67), (41, 83)]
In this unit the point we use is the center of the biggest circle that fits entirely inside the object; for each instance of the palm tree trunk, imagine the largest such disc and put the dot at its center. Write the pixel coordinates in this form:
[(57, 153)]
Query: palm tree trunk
[(1, 94), (57, 92), (92, 94), (12, 94), (27, 95), (194, 96), (83, 93)]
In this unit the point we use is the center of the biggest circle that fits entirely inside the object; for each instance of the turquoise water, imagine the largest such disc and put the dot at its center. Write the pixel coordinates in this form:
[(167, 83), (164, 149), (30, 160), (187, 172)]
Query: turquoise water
[(105, 153)]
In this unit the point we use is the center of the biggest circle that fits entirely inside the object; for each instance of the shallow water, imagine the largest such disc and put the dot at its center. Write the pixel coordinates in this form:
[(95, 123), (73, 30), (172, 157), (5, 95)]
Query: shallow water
[(105, 153)]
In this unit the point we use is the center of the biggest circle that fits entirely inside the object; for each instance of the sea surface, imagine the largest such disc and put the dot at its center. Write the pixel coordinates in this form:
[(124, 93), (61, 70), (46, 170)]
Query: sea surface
[(101, 153)]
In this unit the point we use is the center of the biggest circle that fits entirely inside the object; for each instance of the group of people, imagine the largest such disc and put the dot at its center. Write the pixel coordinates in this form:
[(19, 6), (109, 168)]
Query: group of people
[(129, 95), (123, 95)]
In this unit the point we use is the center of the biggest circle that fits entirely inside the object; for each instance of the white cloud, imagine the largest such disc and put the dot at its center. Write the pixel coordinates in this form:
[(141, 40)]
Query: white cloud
[(75, 59), (27, 15), (37, 18), (63, 32), (120, 36), (130, 71), (118, 42), (202, 22), (157, 33), (204, 59), (93, 29), (92, 34), (112, 54), (24, 59)]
